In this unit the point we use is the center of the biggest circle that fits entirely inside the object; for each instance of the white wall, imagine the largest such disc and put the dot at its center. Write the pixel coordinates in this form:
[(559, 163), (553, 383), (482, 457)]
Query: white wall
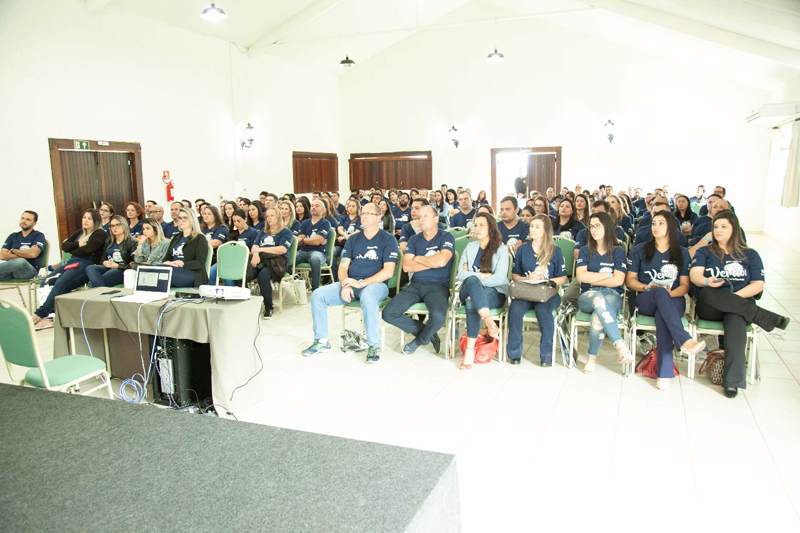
[(115, 76), (776, 218), (675, 124)]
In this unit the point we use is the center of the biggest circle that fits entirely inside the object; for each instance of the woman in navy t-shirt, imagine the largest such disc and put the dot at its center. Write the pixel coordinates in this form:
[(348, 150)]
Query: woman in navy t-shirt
[(683, 212), (731, 275), (275, 240), (536, 260), (601, 268), (566, 222), (659, 271)]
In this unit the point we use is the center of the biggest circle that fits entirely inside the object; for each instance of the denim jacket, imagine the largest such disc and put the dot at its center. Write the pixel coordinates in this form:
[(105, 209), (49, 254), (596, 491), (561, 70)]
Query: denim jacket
[(500, 262)]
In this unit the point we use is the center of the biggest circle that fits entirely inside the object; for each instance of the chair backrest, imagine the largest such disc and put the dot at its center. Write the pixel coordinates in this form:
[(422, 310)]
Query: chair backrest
[(43, 262), (232, 260), (290, 262), (329, 249), (17, 338), (457, 232), (695, 208), (454, 272), (461, 243), (209, 260), (398, 271), (566, 246)]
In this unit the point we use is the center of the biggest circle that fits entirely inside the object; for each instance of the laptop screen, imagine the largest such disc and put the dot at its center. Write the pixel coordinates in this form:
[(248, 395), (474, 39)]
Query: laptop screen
[(153, 279)]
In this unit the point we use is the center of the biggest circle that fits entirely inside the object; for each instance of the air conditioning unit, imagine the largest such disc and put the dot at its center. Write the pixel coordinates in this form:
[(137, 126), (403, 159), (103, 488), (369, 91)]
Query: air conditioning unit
[(773, 114)]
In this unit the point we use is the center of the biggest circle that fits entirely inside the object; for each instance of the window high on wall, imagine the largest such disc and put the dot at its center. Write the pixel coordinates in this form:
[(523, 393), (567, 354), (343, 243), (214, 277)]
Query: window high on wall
[(399, 170)]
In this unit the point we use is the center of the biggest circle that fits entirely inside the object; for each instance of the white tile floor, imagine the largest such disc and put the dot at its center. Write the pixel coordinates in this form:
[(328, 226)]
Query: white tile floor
[(552, 447)]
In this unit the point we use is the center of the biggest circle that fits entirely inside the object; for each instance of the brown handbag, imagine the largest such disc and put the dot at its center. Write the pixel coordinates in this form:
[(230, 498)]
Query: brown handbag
[(714, 365), (532, 292)]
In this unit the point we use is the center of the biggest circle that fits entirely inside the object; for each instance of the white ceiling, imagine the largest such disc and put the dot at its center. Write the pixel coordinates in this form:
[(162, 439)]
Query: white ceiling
[(756, 42)]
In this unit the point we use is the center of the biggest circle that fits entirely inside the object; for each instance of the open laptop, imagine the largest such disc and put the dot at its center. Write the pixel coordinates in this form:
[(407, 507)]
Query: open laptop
[(152, 283)]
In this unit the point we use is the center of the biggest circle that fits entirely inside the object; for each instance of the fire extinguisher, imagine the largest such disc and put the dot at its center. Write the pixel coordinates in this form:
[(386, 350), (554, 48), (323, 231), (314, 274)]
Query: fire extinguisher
[(166, 179)]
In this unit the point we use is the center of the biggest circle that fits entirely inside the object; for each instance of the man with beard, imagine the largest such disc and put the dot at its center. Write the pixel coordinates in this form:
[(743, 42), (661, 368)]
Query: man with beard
[(401, 213)]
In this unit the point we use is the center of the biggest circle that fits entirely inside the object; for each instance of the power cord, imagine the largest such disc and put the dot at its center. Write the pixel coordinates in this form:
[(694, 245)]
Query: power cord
[(260, 360)]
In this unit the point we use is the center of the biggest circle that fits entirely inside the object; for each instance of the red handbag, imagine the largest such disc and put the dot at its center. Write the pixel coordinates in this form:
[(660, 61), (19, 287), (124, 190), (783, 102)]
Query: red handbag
[(648, 366), (485, 350)]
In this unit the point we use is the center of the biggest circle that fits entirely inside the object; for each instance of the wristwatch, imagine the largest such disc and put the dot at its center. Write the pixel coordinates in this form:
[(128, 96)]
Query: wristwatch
[(361, 283)]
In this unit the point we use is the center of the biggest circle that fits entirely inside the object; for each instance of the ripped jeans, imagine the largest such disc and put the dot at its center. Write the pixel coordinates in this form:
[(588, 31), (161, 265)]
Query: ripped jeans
[(604, 304)]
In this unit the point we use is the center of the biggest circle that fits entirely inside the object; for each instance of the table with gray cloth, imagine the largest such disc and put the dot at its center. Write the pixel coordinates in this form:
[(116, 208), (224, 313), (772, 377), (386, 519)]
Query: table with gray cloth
[(72, 463), (229, 327)]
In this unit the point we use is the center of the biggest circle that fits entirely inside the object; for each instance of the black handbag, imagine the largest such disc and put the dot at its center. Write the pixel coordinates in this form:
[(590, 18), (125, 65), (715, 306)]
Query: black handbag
[(276, 263), (532, 292)]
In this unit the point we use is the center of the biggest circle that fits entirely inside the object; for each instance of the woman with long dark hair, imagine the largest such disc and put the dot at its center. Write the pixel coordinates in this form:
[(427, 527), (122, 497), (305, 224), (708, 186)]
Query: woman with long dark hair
[(387, 218), (117, 255), (730, 275), (566, 222), (451, 197), (483, 272), (106, 212), (227, 213), (255, 216), (527, 214), (659, 272), (536, 260), (600, 269), (86, 246), (683, 212), (302, 208), (583, 208), (481, 199)]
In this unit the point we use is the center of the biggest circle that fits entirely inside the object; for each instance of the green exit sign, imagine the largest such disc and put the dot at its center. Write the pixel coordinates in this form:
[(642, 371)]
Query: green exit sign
[(81, 145)]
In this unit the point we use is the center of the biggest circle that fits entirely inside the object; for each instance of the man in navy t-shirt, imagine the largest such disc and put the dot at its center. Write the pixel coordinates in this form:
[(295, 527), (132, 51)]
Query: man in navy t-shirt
[(429, 260), (401, 213), (313, 241), (22, 250), (462, 217), (368, 261), (513, 230), (172, 228), (645, 231)]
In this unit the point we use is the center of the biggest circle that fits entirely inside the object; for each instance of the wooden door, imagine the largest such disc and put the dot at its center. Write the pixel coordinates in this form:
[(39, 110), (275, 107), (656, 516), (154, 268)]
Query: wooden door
[(82, 179), (542, 172), (314, 171), (400, 170)]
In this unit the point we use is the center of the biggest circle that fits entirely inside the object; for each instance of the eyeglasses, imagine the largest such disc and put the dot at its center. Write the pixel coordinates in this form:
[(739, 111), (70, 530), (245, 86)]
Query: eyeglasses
[(104, 210), (595, 226), (153, 212), (184, 218), (117, 225), (368, 213)]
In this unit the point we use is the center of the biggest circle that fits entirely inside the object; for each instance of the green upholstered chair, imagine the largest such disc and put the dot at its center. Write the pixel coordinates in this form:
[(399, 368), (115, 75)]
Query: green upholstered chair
[(232, 259)]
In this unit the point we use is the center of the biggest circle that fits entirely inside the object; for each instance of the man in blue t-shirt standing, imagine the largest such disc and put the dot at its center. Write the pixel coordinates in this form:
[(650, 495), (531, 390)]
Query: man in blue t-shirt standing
[(368, 262), (313, 241), (429, 260), (21, 251)]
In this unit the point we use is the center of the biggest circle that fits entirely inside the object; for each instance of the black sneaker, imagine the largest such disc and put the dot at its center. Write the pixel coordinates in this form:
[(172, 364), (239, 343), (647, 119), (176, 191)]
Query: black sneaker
[(410, 347), (514, 361), (436, 342), (373, 355), (547, 364), (782, 323), (267, 313)]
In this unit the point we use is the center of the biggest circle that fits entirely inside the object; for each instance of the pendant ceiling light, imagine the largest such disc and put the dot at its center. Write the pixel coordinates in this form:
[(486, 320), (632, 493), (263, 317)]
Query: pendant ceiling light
[(213, 13), (495, 57), (347, 62)]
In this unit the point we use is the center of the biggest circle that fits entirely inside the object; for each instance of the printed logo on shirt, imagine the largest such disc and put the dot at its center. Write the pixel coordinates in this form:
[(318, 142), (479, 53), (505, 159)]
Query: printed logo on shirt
[(116, 256), (403, 218), (371, 254), (669, 272), (733, 270), (512, 241), (25, 247), (268, 240), (179, 250)]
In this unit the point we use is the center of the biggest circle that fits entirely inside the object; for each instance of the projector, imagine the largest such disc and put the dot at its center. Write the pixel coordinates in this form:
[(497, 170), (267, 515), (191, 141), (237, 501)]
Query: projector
[(224, 292)]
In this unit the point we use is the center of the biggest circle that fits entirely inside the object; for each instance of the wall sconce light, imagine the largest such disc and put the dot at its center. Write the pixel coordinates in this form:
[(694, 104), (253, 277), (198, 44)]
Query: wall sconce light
[(610, 129), (250, 140), (453, 135)]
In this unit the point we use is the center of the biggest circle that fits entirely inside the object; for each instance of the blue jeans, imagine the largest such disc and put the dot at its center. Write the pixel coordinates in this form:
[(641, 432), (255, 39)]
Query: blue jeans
[(476, 297), (544, 316), (316, 259), (264, 283), (69, 281), (18, 268), (212, 277), (434, 295), (604, 304), (667, 312), (370, 296), (181, 277), (100, 276)]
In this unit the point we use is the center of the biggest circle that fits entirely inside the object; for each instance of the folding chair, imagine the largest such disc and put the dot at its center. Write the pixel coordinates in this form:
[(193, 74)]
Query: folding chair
[(20, 347), (392, 283), (232, 259), (33, 300)]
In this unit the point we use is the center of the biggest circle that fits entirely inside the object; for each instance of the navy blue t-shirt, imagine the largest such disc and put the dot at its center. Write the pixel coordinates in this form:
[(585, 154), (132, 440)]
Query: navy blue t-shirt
[(582, 238), (520, 232), (113, 253), (572, 232), (401, 217), (249, 237), (408, 231), (296, 227), (645, 233), (350, 226), (16, 241), (602, 263), (136, 229), (220, 233), (525, 263), (460, 220), (417, 245), (660, 270), (258, 227), (170, 229), (367, 256), (321, 228), (177, 250), (738, 273), (283, 238), (340, 209)]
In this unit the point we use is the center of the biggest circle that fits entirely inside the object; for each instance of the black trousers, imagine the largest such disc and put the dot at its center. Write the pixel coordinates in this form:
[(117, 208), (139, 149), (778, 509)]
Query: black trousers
[(434, 295), (264, 284), (735, 313)]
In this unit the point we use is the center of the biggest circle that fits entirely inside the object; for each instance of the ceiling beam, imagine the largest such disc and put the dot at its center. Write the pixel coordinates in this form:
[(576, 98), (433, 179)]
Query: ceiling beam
[(96, 5), (775, 52), (309, 14)]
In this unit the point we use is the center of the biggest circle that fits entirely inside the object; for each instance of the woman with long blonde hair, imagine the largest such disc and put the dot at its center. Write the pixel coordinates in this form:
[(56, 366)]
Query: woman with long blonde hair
[(537, 260)]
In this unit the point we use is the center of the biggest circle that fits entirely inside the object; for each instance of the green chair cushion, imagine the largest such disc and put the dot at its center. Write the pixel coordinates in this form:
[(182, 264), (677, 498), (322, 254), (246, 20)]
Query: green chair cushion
[(357, 303), (716, 326), (307, 266), (16, 282), (580, 316), (644, 320), (64, 369), (495, 311), (531, 315), (418, 308)]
